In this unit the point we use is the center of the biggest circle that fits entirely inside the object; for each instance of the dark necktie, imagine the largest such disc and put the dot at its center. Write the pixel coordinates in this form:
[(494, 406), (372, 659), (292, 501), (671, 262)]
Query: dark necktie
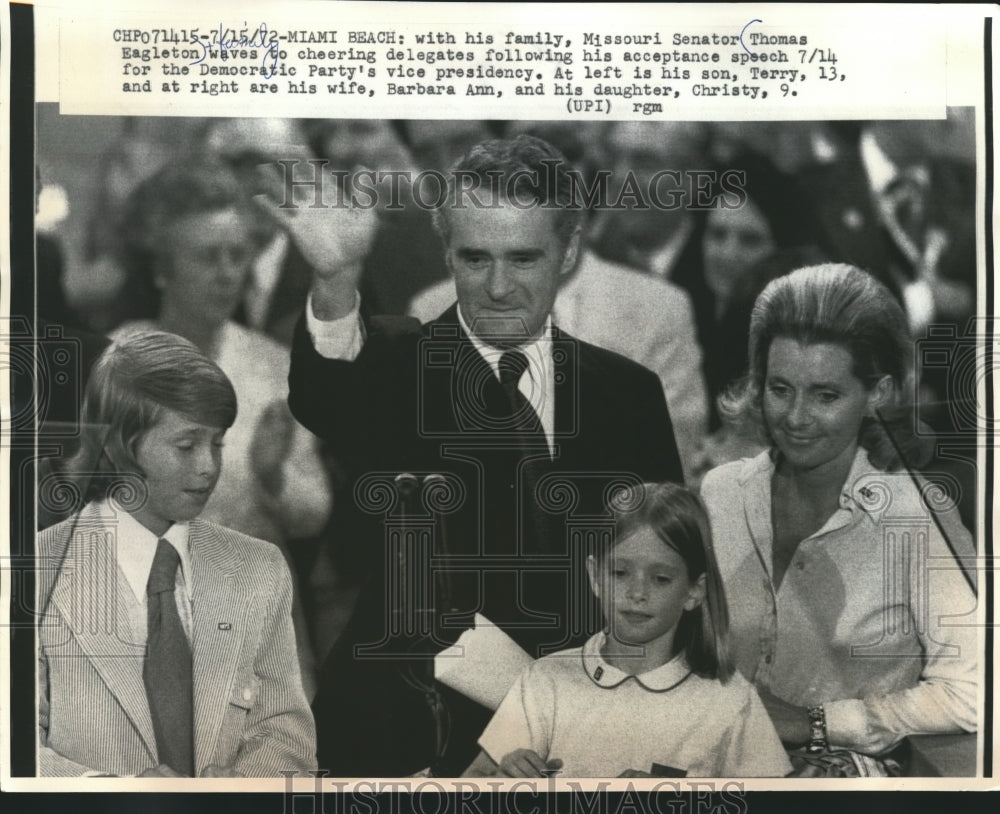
[(167, 670), (523, 417), (531, 442)]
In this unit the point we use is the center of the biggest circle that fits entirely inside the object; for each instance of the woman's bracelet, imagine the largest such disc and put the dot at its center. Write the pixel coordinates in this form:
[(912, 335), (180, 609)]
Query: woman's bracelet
[(817, 730)]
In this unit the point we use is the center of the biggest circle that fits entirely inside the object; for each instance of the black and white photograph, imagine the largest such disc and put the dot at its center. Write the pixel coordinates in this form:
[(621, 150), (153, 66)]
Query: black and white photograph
[(370, 420)]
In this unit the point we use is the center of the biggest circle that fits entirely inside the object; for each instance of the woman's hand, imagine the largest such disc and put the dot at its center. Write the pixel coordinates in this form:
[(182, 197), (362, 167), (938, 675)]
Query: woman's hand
[(526, 763), (272, 441), (790, 722)]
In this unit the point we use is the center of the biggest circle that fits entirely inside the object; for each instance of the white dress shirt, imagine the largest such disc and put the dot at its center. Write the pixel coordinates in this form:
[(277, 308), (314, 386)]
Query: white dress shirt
[(343, 339), (879, 168), (263, 280), (642, 317), (918, 297), (135, 548), (873, 618)]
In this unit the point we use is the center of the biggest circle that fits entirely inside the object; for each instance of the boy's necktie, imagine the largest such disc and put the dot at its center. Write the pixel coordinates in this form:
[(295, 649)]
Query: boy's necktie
[(167, 669)]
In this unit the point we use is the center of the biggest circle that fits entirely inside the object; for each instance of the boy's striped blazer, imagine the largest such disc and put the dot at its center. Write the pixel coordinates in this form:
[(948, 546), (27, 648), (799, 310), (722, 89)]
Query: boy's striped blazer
[(249, 708)]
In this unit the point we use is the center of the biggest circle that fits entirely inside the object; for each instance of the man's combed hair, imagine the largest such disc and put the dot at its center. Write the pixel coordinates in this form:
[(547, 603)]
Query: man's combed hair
[(525, 170), (132, 383), (838, 304), (680, 520)]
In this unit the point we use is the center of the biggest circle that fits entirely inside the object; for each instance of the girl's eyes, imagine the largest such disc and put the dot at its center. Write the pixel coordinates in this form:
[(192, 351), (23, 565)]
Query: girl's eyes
[(660, 579)]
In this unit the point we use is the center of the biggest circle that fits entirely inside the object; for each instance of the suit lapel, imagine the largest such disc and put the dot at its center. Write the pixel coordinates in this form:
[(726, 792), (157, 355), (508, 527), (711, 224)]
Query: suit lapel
[(566, 359), (466, 390), (220, 604), (473, 378), (89, 596)]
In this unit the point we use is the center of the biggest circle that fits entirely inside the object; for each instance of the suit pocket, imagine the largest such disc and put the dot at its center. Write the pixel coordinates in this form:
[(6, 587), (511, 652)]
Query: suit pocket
[(235, 731), (245, 692)]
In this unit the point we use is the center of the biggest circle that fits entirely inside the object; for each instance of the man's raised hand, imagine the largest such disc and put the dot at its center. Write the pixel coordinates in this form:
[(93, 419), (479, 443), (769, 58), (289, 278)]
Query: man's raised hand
[(334, 239)]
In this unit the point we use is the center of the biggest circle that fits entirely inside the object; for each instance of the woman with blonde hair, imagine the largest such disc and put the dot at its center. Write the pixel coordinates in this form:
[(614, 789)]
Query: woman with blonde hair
[(849, 609)]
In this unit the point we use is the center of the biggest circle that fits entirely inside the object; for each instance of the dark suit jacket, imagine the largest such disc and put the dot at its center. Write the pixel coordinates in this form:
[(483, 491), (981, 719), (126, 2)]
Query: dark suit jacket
[(507, 538), (853, 231)]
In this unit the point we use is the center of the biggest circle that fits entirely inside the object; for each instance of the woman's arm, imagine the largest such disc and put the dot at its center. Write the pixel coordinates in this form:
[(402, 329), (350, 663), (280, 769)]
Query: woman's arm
[(291, 480), (941, 607), (791, 722)]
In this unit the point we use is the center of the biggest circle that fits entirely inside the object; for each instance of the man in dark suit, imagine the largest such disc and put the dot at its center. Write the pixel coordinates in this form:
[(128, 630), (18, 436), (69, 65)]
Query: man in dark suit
[(523, 431), (906, 215)]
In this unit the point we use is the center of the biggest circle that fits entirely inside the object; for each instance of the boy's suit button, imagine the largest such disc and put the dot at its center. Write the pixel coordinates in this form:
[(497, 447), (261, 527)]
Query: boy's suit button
[(245, 692)]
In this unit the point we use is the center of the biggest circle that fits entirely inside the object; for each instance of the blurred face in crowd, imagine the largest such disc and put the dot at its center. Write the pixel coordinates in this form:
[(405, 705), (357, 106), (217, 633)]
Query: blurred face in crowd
[(641, 150), (207, 260), (814, 403), (436, 145), (507, 262), (371, 143), (638, 150), (735, 240)]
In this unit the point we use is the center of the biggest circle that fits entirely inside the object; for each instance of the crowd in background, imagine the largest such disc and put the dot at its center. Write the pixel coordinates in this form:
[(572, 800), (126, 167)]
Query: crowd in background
[(161, 228)]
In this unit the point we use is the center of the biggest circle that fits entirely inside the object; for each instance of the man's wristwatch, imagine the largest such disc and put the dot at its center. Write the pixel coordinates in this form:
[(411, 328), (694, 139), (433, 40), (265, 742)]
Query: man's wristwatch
[(817, 730)]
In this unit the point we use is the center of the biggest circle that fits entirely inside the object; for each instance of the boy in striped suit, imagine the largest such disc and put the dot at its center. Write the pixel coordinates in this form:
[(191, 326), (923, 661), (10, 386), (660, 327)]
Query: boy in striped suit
[(166, 642)]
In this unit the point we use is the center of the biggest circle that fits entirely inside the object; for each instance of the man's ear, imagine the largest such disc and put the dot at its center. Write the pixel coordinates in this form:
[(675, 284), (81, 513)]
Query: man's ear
[(572, 253), (593, 571), (696, 595), (881, 394)]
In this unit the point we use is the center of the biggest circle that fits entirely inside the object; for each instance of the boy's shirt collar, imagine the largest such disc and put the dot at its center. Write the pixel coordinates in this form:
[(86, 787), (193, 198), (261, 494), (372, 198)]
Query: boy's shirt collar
[(135, 547), (663, 678)]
